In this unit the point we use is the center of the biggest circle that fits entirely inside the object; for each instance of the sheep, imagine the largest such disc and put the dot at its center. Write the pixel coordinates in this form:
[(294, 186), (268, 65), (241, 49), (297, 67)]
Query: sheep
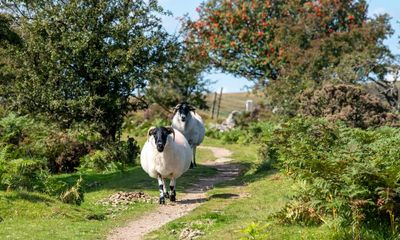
[(165, 154), (190, 124)]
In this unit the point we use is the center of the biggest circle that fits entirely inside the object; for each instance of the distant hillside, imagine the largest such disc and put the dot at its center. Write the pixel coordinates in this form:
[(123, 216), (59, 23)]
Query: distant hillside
[(230, 102)]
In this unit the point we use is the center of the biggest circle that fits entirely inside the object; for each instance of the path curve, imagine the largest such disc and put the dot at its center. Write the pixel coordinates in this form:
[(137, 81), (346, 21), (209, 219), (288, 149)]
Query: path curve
[(192, 198)]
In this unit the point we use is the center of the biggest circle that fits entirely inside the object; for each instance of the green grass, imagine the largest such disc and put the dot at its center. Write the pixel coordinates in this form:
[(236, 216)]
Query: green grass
[(232, 206), (26, 215)]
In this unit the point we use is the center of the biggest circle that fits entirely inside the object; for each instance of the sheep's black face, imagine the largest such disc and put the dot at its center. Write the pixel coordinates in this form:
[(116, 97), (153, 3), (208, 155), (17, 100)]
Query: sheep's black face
[(160, 135), (184, 111)]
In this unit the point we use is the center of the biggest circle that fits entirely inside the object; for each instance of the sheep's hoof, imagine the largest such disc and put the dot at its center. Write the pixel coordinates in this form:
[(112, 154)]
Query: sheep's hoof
[(162, 200), (173, 198), (191, 166)]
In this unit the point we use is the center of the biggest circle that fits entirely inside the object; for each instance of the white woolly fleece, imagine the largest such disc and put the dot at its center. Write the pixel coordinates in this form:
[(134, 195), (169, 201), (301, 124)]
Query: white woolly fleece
[(172, 162)]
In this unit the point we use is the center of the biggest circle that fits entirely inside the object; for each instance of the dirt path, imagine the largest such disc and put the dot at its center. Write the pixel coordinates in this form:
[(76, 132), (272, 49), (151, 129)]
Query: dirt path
[(192, 198)]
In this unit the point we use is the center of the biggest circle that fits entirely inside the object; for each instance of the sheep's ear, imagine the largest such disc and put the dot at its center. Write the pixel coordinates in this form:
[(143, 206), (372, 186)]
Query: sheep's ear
[(150, 132), (176, 108), (171, 130), (191, 108)]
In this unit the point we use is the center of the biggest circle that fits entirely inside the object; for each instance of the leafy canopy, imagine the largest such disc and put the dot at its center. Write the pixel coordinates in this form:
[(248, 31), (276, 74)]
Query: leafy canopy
[(81, 61), (288, 46)]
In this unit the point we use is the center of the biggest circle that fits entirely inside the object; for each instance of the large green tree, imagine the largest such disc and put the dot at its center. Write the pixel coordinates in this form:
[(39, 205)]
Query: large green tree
[(288, 46), (83, 61)]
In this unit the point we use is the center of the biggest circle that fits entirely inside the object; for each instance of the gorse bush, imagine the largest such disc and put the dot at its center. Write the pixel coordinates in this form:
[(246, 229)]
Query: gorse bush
[(348, 103), (348, 174)]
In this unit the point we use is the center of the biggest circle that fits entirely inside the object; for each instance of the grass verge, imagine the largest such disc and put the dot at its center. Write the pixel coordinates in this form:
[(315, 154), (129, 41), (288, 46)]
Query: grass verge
[(27, 215), (243, 208)]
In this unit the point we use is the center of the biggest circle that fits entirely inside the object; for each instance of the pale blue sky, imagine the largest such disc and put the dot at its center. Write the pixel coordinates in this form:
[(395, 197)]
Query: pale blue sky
[(233, 84)]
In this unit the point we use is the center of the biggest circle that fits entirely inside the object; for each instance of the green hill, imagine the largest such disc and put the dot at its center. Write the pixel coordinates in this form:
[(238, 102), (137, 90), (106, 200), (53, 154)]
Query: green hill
[(231, 102)]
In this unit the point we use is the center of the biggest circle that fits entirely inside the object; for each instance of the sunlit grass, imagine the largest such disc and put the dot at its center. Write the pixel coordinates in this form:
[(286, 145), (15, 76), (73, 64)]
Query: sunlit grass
[(26, 215), (252, 198)]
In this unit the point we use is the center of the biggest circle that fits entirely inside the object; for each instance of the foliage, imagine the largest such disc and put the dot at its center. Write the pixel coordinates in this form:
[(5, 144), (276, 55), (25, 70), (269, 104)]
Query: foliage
[(178, 80), (345, 173), (23, 174), (12, 128), (82, 61), (61, 150), (111, 157), (348, 103), (288, 46), (7, 34), (254, 231), (74, 195), (252, 132), (139, 125)]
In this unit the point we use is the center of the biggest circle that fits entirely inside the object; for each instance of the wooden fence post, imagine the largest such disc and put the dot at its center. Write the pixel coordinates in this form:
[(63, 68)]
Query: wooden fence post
[(219, 102), (213, 106)]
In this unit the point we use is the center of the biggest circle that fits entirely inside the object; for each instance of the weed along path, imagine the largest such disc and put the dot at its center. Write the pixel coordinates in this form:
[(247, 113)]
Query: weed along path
[(186, 202)]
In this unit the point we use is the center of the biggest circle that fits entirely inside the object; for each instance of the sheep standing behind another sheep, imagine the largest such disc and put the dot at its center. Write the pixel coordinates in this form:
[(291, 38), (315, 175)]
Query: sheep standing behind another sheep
[(166, 154), (190, 124)]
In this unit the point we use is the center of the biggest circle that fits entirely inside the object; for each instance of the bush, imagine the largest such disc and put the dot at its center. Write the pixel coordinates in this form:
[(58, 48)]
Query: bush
[(113, 156), (139, 126), (252, 133), (348, 103), (74, 195), (23, 174), (12, 128), (345, 173), (63, 152)]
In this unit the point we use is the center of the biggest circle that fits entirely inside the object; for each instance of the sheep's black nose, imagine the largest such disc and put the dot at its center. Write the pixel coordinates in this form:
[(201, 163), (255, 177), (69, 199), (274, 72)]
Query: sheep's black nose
[(183, 118), (160, 147)]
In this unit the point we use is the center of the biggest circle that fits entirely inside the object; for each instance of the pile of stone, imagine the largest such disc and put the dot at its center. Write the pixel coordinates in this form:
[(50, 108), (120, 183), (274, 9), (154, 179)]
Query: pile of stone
[(126, 198), (230, 122)]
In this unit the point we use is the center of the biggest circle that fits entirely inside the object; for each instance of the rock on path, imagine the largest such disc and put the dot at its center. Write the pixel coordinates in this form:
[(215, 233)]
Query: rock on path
[(192, 198)]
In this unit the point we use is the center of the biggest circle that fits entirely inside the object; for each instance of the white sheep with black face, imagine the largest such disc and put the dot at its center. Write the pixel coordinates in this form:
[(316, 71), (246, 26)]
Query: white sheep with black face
[(165, 155), (190, 124)]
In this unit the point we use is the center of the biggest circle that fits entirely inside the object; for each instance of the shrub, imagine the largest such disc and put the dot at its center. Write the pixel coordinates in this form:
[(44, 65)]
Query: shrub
[(139, 126), (345, 173), (63, 152), (12, 128), (23, 174), (252, 133), (348, 103), (74, 195), (98, 160), (112, 156)]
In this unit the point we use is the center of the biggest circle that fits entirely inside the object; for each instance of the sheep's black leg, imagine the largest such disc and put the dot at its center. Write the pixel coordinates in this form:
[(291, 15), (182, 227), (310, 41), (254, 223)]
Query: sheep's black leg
[(193, 162), (194, 156), (173, 193), (166, 194), (161, 188)]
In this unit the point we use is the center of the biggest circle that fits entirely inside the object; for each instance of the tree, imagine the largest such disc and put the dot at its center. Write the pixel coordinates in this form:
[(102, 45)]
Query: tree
[(8, 37), (7, 34), (288, 46), (82, 61), (178, 79)]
